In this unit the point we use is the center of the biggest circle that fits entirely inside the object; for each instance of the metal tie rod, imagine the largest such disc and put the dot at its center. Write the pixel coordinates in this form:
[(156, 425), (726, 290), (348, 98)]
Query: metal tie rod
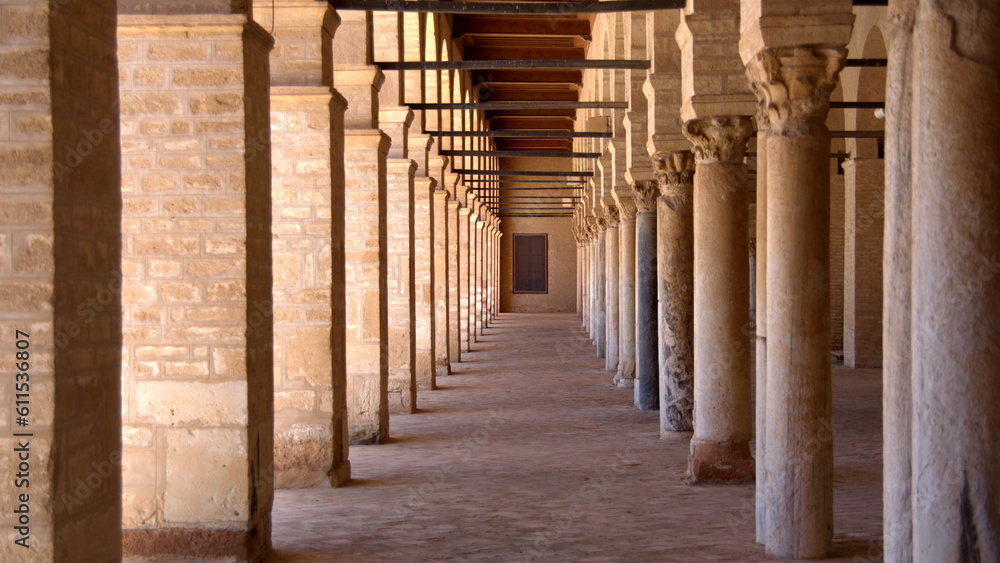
[(508, 8), (477, 172), (617, 64)]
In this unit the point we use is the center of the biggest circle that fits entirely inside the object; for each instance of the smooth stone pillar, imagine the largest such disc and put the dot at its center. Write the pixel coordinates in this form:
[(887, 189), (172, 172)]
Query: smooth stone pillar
[(600, 285), (647, 362), (611, 254), (796, 82), (454, 340), (442, 363), (897, 395), (625, 378), (675, 263), (956, 290), (760, 328), (720, 448)]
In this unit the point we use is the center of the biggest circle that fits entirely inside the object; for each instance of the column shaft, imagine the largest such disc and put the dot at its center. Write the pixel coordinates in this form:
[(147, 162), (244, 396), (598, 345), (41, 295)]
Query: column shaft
[(442, 341), (454, 335), (720, 448), (625, 377), (647, 363), (464, 251), (423, 280), (612, 257), (600, 298), (675, 265), (897, 395), (955, 293), (760, 328)]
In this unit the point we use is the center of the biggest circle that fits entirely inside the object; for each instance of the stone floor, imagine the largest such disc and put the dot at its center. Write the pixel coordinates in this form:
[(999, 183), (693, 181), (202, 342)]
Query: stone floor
[(528, 453)]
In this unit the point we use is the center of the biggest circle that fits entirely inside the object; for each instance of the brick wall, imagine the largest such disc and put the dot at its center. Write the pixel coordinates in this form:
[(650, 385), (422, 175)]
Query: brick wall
[(865, 216), (197, 308), (59, 250)]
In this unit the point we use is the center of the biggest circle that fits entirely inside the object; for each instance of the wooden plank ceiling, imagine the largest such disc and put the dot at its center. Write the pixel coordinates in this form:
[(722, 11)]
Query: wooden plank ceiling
[(483, 37)]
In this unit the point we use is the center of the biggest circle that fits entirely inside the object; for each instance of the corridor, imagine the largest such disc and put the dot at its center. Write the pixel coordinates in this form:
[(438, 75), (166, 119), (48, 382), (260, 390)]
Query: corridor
[(528, 453)]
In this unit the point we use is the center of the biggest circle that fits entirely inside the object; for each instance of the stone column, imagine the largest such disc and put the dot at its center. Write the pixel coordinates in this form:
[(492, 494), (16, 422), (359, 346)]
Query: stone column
[(897, 396), (760, 326), (647, 364), (61, 281), (795, 83), (956, 289), (307, 210), (196, 227), (675, 264), (625, 377), (400, 277), (720, 448), (442, 363), (366, 290), (464, 248), (423, 280), (864, 211), (600, 288), (480, 278), (612, 257), (454, 336)]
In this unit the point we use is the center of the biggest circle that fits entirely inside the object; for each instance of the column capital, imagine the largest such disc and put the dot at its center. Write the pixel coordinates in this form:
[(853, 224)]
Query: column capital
[(794, 84), (676, 173), (646, 193), (612, 216), (719, 139), (602, 225)]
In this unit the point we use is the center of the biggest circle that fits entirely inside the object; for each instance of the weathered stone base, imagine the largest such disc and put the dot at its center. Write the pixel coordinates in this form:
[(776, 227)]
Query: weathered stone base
[(302, 456), (725, 462), (191, 543), (625, 378), (442, 369), (365, 434), (340, 475), (425, 369), (400, 395)]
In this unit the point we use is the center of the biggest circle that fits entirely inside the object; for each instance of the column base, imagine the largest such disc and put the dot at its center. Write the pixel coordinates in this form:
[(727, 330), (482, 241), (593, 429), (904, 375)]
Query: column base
[(625, 378), (365, 434), (302, 455), (340, 475), (442, 368), (720, 462), (201, 543)]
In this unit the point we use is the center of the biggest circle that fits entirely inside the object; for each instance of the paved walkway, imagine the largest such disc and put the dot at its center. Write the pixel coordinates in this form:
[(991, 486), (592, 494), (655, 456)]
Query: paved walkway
[(528, 453)]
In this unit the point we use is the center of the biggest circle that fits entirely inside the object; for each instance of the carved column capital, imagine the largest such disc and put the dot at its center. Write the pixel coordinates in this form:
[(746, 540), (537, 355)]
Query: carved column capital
[(719, 139), (675, 172), (627, 207), (612, 216), (794, 84), (602, 225), (646, 192)]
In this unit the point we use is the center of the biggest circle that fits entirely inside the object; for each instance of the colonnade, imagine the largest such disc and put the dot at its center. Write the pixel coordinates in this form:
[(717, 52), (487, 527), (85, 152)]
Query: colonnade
[(747, 288), (230, 250)]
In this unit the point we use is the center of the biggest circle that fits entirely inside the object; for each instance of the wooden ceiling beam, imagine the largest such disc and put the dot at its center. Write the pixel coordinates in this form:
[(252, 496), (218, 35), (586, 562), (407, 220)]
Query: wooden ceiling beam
[(509, 8), (524, 53), (528, 77), (552, 123), (477, 25), (504, 64)]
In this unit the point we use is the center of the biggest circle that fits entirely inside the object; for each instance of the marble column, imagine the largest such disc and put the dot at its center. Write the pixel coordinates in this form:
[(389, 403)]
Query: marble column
[(955, 288), (675, 265), (720, 448), (600, 288), (897, 396), (760, 326), (795, 83), (647, 364), (625, 377), (612, 270)]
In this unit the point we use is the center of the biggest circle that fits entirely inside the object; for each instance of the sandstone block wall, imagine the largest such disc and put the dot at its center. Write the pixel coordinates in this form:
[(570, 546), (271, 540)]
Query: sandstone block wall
[(365, 285), (196, 226), (400, 277), (59, 153), (308, 199)]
